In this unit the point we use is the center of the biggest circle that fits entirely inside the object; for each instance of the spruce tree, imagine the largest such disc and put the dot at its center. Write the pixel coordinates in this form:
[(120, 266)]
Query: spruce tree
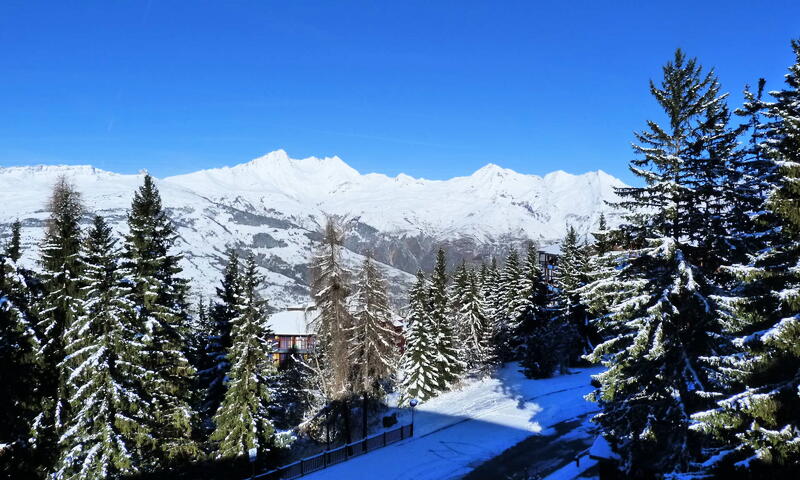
[(459, 285), (542, 339), (57, 309), (243, 421), (474, 329), (221, 315), (572, 274), (445, 351), (105, 358), (490, 290), (601, 245), (506, 311), (421, 373), (293, 395), (756, 414), (19, 370), (661, 318), (159, 296), (14, 246)]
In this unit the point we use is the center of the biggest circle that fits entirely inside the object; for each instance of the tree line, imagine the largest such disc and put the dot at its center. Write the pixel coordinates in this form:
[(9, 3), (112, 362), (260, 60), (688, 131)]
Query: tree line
[(471, 320)]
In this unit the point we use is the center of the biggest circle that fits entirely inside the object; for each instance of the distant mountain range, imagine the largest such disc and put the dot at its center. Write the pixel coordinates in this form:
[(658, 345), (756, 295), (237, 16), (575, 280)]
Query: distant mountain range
[(273, 204)]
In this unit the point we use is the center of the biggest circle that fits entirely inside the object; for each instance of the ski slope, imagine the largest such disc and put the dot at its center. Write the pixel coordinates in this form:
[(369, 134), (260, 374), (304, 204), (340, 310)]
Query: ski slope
[(459, 430)]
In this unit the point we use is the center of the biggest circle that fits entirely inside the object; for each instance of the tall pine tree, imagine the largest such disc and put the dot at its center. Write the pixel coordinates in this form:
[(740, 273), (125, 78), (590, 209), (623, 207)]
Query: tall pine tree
[(222, 314), (421, 373), (472, 324), (19, 370), (243, 420), (660, 316), (159, 296), (56, 311), (104, 362), (507, 303), (14, 246), (542, 339), (445, 351), (756, 415), (573, 274)]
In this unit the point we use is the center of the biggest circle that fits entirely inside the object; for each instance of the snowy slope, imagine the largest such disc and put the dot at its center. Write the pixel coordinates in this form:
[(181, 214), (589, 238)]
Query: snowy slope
[(459, 430), (272, 205)]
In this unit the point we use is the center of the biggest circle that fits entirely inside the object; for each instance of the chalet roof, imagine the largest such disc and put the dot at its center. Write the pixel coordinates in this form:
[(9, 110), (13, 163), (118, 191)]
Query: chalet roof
[(291, 322)]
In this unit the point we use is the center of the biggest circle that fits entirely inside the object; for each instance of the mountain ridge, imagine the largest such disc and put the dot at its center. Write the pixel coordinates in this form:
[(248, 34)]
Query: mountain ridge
[(272, 205)]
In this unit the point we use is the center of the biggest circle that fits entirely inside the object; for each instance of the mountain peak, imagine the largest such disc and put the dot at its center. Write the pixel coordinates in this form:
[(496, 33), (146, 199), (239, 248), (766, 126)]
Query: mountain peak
[(275, 157), (279, 160), (492, 170)]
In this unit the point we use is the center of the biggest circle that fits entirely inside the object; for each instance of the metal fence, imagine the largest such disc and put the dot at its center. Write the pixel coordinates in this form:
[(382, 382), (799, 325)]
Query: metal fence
[(338, 455)]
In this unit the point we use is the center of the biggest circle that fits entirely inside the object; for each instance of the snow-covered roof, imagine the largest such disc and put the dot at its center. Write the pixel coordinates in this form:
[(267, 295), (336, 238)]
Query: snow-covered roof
[(291, 322)]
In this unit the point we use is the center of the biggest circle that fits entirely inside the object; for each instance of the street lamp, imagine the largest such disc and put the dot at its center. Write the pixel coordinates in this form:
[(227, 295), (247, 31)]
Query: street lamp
[(413, 403)]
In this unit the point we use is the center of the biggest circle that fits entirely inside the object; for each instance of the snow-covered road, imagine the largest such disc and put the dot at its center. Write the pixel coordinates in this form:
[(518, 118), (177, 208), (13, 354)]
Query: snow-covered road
[(459, 430)]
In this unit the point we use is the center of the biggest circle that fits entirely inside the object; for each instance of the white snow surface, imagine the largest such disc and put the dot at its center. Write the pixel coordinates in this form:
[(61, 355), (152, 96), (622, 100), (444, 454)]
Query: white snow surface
[(459, 430), (271, 206), (291, 322)]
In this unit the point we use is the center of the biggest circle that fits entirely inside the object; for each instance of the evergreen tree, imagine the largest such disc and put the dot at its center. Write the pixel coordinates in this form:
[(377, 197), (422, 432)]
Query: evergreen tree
[(459, 285), (56, 311), (104, 364), (19, 370), (572, 274), (756, 414), (506, 311), (542, 339), (422, 378), (446, 355), (490, 290), (601, 244), (221, 315), (159, 296), (293, 397), (660, 317), (374, 344), (474, 329), (243, 421), (14, 245)]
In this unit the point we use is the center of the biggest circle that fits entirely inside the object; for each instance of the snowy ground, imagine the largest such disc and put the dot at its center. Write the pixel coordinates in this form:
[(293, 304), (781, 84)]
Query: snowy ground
[(460, 430)]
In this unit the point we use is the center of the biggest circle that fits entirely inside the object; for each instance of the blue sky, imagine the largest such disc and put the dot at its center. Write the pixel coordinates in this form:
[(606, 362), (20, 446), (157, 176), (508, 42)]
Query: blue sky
[(432, 89)]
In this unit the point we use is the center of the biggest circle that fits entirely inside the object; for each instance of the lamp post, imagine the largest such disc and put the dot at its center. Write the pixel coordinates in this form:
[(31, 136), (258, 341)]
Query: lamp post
[(413, 403)]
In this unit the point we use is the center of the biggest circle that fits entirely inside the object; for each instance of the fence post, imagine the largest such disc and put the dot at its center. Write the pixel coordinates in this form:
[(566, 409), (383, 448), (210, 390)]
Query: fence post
[(384, 438), (302, 470)]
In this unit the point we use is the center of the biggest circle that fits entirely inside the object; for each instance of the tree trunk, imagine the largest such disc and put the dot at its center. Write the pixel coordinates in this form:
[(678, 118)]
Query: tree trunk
[(347, 433), (364, 427)]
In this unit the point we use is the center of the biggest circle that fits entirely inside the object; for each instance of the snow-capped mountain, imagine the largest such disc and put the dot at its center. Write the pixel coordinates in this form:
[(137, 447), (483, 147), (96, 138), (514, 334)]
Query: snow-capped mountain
[(272, 205)]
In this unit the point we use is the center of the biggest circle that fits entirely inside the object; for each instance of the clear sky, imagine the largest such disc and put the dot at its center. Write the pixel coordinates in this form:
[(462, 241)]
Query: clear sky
[(432, 89)]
